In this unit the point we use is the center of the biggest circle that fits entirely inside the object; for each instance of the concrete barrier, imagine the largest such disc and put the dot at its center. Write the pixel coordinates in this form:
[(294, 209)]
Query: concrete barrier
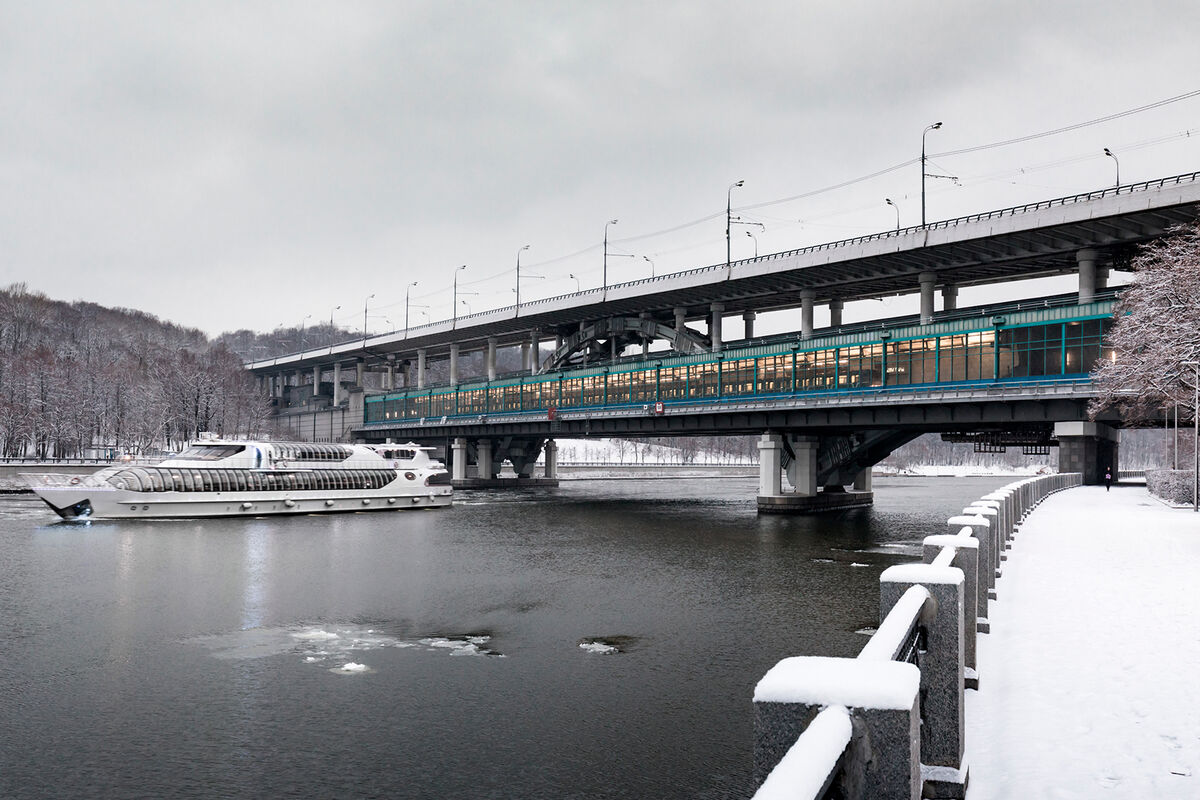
[(838, 727)]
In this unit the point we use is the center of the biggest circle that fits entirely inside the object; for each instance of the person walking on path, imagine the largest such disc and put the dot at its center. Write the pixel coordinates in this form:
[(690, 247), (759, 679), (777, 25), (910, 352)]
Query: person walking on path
[(1107, 480)]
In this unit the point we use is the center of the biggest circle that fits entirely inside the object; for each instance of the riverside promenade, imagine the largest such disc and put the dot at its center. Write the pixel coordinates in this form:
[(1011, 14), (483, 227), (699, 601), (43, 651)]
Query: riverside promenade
[(1089, 682)]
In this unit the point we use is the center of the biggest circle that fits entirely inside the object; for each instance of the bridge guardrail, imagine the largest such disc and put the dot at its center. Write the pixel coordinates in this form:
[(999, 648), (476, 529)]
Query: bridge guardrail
[(903, 696)]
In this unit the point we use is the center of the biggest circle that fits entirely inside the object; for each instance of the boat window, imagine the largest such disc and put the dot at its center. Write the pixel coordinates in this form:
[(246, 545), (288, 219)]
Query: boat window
[(209, 452)]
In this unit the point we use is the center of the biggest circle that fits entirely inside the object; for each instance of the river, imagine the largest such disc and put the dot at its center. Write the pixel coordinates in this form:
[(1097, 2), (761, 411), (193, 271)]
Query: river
[(431, 654)]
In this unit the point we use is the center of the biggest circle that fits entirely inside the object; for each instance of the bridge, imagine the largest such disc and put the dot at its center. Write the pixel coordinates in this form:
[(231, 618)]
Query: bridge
[(630, 360)]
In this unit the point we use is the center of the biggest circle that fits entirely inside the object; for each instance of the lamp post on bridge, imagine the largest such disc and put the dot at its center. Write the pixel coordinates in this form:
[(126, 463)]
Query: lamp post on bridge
[(572, 275), (454, 301), (604, 276), (518, 289), (335, 308), (729, 222), (365, 315), (407, 289), (888, 200), (755, 240), (1113, 156), (928, 128), (649, 261), (302, 324)]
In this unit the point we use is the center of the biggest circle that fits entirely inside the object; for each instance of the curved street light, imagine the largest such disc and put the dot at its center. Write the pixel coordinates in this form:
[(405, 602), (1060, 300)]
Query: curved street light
[(526, 247), (928, 128), (572, 275), (888, 200), (454, 301), (604, 280), (365, 314), (649, 261), (729, 219), (1113, 156), (407, 289), (755, 238)]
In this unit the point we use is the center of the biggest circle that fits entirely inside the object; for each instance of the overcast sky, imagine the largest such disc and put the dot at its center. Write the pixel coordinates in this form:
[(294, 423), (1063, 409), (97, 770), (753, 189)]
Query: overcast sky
[(251, 164)]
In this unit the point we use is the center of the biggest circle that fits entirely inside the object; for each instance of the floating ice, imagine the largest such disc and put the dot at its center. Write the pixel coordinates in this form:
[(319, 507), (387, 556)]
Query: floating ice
[(315, 636), (598, 647)]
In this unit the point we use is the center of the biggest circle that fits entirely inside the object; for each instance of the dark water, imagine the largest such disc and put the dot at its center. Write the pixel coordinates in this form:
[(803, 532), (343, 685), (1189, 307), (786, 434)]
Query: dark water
[(205, 659)]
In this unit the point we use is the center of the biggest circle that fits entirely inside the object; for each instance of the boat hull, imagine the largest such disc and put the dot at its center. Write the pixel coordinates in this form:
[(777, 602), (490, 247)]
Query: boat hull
[(101, 503)]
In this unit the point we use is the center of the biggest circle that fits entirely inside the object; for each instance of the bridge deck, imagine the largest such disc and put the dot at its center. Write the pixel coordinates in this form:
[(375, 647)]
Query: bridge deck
[(1087, 680)]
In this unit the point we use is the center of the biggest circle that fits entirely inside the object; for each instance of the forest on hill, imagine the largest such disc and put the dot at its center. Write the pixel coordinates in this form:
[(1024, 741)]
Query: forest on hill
[(77, 378)]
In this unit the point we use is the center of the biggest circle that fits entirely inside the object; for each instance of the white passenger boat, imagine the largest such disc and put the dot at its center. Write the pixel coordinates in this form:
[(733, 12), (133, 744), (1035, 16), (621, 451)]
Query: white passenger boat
[(225, 478)]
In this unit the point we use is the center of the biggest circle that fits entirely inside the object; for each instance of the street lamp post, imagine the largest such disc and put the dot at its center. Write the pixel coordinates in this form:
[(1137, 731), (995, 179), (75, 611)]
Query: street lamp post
[(407, 289), (302, 322), (335, 308), (526, 247), (604, 278), (755, 239), (729, 221), (365, 315), (468, 305), (928, 128), (454, 301), (649, 261), (1113, 156), (572, 275), (888, 200)]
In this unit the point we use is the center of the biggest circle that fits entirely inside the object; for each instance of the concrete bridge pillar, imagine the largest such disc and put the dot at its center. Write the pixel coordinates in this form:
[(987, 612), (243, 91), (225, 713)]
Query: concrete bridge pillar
[(835, 313), (454, 365), (1089, 448), (1086, 259), (862, 481), (949, 297), (360, 372), (337, 383), (680, 321), (422, 356), (316, 376), (748, 318), (802, 472), (483, 457), (806, 313), (299, 377), (551, 451), (525, 356), (535, 351), (714, 327), (458, 460), (389, 377), (491, 358), (770, 464), (928, 282)]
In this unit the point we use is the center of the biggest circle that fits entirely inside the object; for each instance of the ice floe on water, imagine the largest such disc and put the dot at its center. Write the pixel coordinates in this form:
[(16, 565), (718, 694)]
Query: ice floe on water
[(606, 645), (340, 645)]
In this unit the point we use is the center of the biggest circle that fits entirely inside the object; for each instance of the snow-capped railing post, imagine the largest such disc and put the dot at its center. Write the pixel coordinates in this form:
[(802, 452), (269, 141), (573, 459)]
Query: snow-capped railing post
[(1003, 497), (964, 551), (981, 528), (942, 690), (996, 542), (796, 757)]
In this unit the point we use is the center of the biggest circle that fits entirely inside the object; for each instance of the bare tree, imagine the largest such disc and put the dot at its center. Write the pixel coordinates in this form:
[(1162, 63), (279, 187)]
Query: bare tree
[(1157, 331)]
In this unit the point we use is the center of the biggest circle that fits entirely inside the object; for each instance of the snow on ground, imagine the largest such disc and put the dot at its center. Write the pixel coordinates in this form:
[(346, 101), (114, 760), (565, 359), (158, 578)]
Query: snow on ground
[(1089, 678)]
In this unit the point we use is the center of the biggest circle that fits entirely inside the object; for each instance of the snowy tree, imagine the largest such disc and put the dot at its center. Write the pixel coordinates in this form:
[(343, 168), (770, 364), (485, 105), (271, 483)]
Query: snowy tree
[(1156, 333)]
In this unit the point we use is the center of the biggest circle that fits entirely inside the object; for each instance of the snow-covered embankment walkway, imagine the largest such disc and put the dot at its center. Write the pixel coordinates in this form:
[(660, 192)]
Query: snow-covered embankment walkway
[(1089, 681)]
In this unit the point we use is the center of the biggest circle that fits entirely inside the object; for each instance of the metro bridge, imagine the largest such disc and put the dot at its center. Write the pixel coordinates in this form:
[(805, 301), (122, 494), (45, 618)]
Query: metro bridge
[(828, 402)]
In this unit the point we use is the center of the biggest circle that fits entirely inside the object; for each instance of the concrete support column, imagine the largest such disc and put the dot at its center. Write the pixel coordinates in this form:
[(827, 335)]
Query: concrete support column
[(942, 663), (360, 372), (422, 357), (835, 313), (316, 378), (806, 313), (1086, 258), (524, 356), (680, 319), (337, 383), (389, 377), (949, 297), (483, 456), (551, 451), (458, 459), (454, 365), (862, 481), (928, 282), (770, 462), (1101, 278), (535, 351), (802, 472), (1088, 448), (714, 327), (491, 358), (748, 318)]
